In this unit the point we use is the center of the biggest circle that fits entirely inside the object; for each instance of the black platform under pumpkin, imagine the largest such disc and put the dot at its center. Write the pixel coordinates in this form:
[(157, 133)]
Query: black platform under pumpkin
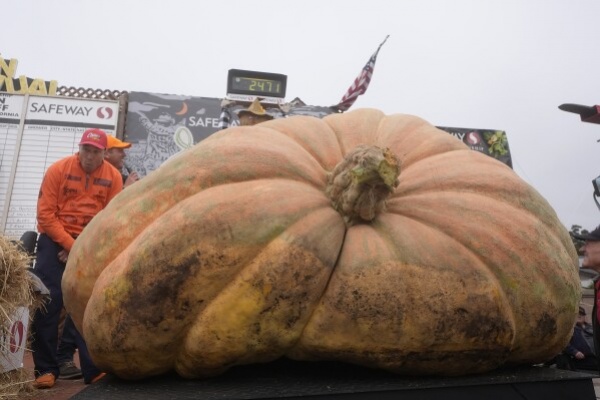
[(286, 379)]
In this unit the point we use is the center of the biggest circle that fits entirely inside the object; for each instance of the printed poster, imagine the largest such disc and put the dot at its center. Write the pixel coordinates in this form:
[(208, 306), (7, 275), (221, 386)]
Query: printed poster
[(493, 143), (161, 125)]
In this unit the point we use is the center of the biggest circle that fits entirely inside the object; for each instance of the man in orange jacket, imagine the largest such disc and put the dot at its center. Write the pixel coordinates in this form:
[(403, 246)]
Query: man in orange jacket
[(73, 191)]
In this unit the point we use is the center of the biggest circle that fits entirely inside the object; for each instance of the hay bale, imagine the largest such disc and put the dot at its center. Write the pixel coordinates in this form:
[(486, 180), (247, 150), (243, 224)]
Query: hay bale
[(16, 383), (16, 290)]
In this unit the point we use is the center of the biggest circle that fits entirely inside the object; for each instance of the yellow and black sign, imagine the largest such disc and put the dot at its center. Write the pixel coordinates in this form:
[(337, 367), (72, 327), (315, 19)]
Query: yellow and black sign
[(22, 84)]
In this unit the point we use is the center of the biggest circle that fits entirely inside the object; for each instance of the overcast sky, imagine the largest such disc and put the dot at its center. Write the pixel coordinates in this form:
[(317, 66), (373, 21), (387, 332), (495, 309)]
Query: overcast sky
[(495, 64)]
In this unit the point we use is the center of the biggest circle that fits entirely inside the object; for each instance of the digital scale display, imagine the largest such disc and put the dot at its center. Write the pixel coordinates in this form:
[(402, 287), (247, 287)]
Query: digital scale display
[(256, 83)]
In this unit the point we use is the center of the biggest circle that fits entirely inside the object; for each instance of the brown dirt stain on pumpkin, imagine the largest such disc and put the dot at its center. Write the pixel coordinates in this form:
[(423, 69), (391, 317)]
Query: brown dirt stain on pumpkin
[(160, 291)]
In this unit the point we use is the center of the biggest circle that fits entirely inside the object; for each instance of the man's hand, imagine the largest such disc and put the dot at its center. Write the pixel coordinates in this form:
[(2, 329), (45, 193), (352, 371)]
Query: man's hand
[(226, 102), (63, 255), (579, 355), (132, 178)]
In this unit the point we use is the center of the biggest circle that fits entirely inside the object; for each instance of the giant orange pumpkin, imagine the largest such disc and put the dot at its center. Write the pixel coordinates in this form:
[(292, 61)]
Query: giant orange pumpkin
[(365, 238)]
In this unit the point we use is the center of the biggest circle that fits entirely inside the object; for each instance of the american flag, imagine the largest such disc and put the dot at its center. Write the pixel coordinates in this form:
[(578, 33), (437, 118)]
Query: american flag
[(361, 83)]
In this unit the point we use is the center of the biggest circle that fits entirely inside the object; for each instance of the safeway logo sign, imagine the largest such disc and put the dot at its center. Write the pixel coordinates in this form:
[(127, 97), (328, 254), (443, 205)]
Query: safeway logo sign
[(82, 112), (14, 340), (473, 138), (17, 336), (104, 112)]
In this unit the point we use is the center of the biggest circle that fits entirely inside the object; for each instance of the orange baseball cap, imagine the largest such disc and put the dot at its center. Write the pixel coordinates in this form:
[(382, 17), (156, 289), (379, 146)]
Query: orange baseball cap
[(113, 142)]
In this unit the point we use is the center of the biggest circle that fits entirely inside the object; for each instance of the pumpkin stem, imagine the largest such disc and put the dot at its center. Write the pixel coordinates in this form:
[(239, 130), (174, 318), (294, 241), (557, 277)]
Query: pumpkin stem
[(360, 184)]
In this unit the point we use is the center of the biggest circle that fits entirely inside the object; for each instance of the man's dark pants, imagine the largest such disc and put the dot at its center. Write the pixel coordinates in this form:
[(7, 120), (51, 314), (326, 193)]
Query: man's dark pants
[(67, 342), (45, 323)]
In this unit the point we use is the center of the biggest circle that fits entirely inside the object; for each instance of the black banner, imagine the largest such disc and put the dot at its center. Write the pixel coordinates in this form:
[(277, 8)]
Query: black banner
[(493, 143), (161, 125)]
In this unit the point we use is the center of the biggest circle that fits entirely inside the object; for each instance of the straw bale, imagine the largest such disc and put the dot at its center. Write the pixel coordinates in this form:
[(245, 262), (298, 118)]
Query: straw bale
[(16, 290), (17, 383), (16, 287)]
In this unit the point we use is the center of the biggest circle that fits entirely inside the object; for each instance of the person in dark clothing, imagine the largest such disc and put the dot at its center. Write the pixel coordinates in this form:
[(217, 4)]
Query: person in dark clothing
[(591, 260), (581, 348)]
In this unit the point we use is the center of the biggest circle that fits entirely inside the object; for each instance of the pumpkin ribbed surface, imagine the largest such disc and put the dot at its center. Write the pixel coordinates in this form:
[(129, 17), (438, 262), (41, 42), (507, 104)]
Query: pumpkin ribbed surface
[(236, 251)]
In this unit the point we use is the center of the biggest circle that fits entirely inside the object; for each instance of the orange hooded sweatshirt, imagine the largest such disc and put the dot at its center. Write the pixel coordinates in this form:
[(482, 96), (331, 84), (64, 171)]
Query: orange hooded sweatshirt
[(69, 198)]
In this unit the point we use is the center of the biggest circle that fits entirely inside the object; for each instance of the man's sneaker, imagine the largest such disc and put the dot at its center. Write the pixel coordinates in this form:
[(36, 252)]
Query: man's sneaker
[(68, 370), (45, 381)]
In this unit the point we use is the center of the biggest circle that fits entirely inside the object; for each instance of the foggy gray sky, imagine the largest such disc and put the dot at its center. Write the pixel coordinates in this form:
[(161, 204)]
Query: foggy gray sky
[(496, 64)]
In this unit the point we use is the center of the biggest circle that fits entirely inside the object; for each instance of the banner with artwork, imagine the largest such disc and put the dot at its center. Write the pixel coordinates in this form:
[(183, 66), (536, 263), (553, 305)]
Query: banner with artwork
[(493, 143), (160, 125)]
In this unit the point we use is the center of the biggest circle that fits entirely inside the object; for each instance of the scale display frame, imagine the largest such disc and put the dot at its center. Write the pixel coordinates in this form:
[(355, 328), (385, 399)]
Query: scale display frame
[(256, 84)]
